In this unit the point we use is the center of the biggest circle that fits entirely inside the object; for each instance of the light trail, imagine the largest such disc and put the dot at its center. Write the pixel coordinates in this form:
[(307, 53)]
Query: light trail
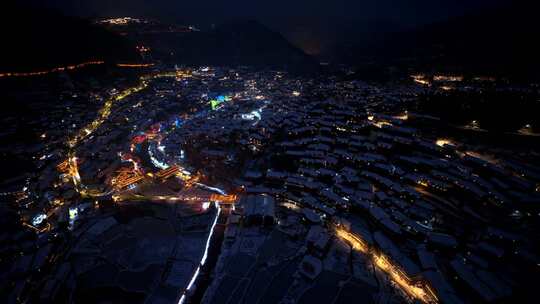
[(218, 198), (416, 289), (356, 243), (220, 191), (134, 65), (74, 170), (104, 113), (53, 70), (183, 297)]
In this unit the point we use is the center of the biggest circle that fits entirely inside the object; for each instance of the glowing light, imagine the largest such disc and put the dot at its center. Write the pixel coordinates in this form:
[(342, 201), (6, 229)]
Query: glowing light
[(214, 104), (120, 21), (448, 78), (446, 88), (380, 124), (38, 219), (421, 79), (203, 259), (223, 198), (54, 70), (423, 183), (252, 115), (291, 206), (220, 191), (73, 213), (355, 242), (403, 116), (155, 161), (422, 293), (441, 142), (416, 289), (134, 65)]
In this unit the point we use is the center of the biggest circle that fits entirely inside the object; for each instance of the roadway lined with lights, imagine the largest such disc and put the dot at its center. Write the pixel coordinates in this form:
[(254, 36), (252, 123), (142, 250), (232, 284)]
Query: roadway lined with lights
[(103, 114), (71, 68), (416, 289), (195, 275), (53, 70), (134, 65)]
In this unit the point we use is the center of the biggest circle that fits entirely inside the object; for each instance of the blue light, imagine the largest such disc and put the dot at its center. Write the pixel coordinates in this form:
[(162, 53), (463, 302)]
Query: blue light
[(178, 122)]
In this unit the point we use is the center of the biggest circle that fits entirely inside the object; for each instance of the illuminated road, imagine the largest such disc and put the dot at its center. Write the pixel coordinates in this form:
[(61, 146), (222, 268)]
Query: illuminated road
[(53, 70), (71, 68), (103, 115), (417, 290), (184, 293), (134, 65)]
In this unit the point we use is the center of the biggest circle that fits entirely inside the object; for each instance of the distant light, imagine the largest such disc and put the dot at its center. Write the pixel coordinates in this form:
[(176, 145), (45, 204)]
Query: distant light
[(403, 116), (442, 142), (73, 213), (296, 93), (447, 88)]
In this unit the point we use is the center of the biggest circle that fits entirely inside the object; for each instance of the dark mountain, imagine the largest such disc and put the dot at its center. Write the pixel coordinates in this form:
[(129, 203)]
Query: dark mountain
[(500, 42), (33, 39), (232, 44)]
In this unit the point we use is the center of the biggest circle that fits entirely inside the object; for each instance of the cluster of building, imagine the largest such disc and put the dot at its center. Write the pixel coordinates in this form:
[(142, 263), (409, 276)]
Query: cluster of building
[(442, 212), (337, 192)]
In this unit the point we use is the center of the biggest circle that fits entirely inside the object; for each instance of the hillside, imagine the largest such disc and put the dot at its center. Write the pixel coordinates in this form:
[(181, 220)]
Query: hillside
[(239, 43), (500, 42), (43, 39)]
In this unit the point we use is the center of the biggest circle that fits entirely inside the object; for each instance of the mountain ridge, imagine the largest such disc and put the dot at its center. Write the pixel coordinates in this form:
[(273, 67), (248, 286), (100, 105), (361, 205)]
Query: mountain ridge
[(45, 39), (499, 42)]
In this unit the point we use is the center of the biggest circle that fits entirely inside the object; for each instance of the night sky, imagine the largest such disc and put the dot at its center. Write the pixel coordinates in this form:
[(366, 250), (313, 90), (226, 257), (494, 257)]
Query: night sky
[(400, 11), (306, 22)]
